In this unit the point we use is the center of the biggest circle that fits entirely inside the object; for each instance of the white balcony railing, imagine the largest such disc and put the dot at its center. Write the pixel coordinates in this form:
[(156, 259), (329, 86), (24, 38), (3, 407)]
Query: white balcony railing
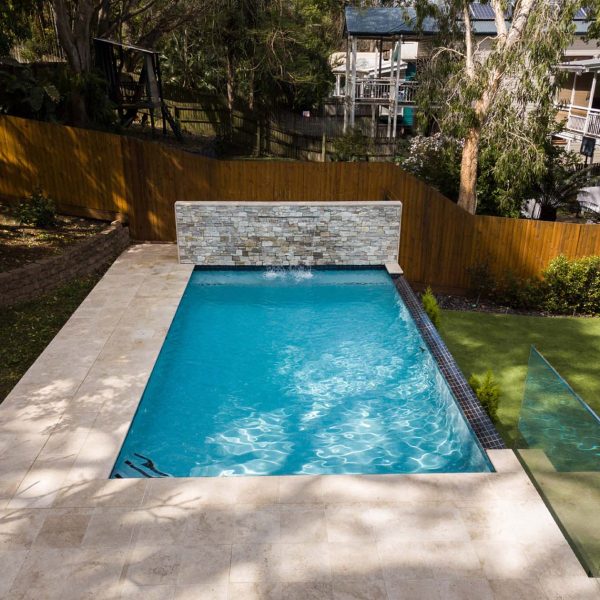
[(374, 90), (582, 120)]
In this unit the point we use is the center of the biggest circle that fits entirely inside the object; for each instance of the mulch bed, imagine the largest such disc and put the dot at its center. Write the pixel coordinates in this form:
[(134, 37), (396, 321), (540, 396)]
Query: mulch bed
[(463, 303), (21, 244)]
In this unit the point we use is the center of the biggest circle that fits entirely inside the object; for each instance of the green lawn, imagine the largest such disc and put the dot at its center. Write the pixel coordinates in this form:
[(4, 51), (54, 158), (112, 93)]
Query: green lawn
[(480, 341), (26, 329)]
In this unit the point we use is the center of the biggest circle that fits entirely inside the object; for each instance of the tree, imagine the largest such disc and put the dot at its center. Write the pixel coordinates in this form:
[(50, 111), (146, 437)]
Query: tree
[(268, 52), (15, 17), (140, 22), (497, 92)]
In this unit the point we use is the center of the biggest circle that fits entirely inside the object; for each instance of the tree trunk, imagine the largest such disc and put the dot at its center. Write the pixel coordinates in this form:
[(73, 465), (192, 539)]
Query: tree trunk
[(467, 197), (75, 39), (230, 82)]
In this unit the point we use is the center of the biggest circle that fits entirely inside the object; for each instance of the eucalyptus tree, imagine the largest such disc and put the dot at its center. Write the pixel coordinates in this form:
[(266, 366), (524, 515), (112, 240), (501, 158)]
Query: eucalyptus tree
[(496, 93)]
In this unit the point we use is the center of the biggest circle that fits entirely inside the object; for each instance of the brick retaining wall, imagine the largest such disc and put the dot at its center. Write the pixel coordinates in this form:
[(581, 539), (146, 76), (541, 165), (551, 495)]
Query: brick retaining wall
[(83, 258)]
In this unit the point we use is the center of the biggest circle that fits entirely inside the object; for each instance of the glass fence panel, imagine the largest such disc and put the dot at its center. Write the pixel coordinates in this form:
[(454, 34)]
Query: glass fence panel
[(558, 442)]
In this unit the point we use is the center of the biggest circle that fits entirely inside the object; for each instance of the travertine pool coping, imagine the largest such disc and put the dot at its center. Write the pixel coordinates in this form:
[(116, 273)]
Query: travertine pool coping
[(66, 531)]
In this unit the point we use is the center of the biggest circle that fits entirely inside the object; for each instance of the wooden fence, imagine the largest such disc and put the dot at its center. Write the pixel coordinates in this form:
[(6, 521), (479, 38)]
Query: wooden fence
[(89, 172), (284, 135)]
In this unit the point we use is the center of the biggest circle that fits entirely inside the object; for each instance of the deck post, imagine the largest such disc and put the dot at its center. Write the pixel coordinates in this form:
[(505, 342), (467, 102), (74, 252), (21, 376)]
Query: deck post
[(590, 103), (353, 93), (572, 100), (389, 119), (396, 86), (347, 85)]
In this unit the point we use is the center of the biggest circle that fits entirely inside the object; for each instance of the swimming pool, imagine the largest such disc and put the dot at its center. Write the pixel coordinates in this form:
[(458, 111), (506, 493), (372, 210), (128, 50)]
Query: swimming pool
[(280, 372)]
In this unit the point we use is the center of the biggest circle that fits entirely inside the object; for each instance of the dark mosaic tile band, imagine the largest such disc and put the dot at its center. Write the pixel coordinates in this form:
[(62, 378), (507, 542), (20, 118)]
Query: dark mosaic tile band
[(472, 409)]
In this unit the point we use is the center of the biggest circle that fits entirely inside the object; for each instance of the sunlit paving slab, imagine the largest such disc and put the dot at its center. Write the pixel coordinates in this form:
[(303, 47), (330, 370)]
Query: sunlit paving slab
[(67, 531)]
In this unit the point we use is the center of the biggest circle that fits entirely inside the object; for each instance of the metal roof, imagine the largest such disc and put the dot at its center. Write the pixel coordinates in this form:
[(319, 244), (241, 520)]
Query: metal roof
[(379, 22), (581, 66), (485, 12)]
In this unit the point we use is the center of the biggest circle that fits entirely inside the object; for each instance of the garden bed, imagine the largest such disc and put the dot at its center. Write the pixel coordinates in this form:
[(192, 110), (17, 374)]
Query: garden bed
[(21, 245), (464, 303)]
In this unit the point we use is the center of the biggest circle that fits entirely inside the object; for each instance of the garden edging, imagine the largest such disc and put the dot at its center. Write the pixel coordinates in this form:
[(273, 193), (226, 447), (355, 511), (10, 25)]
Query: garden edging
[(81, 259)]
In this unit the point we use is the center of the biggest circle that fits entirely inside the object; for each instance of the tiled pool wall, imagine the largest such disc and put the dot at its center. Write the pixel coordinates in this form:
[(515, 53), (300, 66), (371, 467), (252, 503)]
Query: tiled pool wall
[(481, 424), (288, 233)]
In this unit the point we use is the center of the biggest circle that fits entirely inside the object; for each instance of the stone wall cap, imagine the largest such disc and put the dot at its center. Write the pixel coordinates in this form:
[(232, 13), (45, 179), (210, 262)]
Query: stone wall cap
[(288, 203)]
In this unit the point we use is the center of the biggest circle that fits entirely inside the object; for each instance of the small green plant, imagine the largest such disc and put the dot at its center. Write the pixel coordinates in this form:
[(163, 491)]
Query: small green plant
[(487, 391), (481, 281), (38, 210), (432, 308)]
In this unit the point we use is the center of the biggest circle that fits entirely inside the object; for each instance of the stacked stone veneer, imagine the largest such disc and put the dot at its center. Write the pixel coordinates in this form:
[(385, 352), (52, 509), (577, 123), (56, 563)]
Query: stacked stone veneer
[(83, 258), (288, 233)]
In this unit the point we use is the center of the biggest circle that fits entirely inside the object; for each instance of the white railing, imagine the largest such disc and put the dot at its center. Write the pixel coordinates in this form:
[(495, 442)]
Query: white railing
[(368, 89), (576, 123), (593, 125), (587, 121), (373, 89)]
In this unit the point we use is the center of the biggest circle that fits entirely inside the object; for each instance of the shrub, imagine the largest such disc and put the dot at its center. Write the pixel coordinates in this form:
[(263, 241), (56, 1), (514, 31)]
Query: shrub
[(37, 210), (22, 94), (436, 160), (487, 391), (572, 285), (353, 146), (481, 281), (432, 308), (517, 292), (565, 287)]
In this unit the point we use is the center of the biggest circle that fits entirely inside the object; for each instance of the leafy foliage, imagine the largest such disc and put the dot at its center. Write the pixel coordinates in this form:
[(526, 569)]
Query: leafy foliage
[(15, 22), (481, 281), (436, 160), (562, 180), (353, 146), (497, 94), (487, 391), (23, 95), (267, 52), (566, 286), (572, 286), (38, 210), (432, 308)]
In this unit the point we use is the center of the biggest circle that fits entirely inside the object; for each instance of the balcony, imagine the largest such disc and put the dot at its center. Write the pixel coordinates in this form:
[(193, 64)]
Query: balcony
[(581, 120), (382, 91)]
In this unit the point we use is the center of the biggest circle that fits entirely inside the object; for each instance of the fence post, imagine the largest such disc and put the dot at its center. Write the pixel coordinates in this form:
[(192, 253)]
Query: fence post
[(324, 147)]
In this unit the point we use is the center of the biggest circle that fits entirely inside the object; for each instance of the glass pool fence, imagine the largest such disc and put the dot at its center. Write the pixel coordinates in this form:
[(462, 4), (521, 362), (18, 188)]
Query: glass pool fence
[(558, 443)]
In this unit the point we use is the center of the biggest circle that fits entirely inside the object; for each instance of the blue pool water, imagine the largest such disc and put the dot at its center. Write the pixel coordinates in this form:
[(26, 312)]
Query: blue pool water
[(296, 372)]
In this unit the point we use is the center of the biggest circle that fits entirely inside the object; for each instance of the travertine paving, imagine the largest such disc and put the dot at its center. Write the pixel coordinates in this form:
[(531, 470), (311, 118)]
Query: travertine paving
[(66, 531)]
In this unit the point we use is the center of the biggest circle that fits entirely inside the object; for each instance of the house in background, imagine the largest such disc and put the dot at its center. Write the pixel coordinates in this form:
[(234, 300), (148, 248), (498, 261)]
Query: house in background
[(380, 84), (579, 102)]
